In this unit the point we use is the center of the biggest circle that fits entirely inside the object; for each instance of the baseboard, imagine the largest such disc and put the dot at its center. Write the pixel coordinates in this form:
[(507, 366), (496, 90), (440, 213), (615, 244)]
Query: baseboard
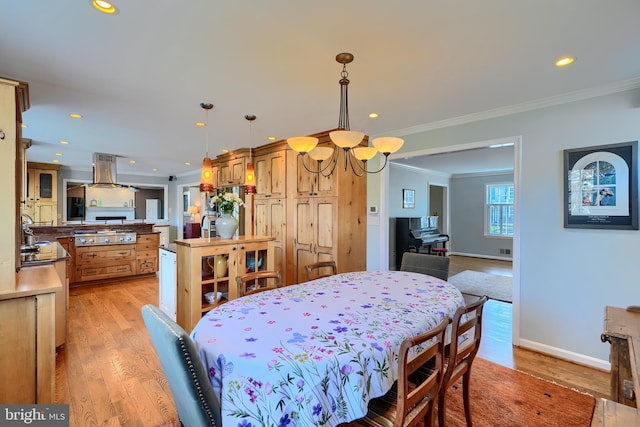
[(570, 356), (499, 258)]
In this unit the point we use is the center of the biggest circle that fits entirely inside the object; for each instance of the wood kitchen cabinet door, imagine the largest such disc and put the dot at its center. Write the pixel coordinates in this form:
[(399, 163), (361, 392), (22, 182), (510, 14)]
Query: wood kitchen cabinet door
[(315, 227), (309, 184), (271, 220), (271, 174)]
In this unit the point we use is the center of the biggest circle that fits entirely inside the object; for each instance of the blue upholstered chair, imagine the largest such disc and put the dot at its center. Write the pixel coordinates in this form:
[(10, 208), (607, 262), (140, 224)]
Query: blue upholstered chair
[(193, 395)]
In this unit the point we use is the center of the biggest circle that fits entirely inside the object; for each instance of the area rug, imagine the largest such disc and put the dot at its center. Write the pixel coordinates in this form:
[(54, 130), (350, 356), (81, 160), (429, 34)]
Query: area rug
[(478, 284), (503, 397)]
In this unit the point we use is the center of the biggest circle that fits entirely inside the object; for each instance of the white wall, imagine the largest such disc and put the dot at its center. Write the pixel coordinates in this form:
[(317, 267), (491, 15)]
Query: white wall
[(467, 204), (567, 276)]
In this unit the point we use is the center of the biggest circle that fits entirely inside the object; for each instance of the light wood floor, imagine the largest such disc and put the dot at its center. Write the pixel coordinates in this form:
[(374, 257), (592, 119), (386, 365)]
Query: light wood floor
[(110, 375)]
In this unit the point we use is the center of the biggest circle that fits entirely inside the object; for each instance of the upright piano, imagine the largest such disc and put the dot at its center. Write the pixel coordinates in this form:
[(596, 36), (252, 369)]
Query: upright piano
[(417, 235)]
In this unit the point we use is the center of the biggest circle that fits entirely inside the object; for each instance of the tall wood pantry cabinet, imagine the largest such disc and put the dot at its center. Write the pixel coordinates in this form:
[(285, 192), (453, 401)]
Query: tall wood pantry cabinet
[(270, 202), (310, 216)]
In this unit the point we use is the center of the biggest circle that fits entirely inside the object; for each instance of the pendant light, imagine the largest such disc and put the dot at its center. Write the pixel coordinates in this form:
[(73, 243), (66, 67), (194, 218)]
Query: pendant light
[(206, 177), (250, 174)]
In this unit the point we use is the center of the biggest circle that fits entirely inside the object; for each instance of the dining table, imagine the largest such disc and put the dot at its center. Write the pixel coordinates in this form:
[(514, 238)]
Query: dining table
[(315, 353)]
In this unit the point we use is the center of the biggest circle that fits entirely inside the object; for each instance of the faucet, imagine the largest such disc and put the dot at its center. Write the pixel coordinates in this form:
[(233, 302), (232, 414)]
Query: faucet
[(26, 219)]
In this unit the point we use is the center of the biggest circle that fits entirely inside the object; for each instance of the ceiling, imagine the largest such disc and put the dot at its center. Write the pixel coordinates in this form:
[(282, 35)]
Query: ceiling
[(472, 161), (138, 77)]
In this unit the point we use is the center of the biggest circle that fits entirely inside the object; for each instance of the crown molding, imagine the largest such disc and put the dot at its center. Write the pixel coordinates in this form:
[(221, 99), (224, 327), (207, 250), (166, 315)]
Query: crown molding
[(579, 95)]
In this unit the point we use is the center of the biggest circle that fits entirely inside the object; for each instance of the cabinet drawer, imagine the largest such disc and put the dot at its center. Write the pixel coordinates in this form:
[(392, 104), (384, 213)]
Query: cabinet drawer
[(104, 254), (92, 272), (147, 242)]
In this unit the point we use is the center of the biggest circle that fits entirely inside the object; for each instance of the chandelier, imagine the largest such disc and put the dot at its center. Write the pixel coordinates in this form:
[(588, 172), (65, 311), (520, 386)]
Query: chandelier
[(206, 176), (355, 155)]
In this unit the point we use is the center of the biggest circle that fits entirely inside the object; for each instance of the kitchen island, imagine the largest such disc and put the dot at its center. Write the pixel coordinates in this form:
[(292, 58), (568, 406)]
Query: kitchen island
[(118, 250), (211, 265)]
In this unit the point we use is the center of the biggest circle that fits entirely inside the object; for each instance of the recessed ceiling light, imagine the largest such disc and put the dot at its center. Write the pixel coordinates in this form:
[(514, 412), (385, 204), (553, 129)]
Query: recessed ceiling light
[(201, 124), (55, 161), (224, 150), (24, 126), (187, 163), (373, 115), (63, 142), (133, 162), (272, 138), (563, 62), (75, 116), (155, 169), (59, 154), (105, 7)]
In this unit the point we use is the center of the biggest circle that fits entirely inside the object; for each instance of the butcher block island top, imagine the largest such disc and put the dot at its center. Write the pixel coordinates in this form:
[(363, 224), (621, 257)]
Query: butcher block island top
[(217, 241), (210, 266)]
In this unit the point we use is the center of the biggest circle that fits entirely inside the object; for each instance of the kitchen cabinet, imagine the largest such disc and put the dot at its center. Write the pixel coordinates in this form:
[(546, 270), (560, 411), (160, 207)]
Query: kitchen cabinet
[(27, 327), (315, 225), (41, 202), (270, 201), (270, 171), (271, 220), (14, 100), (309, 183), (231, 167), (326, 216), (68, 243), (167, 282), (147, 253), (104, 262), (212, 265)]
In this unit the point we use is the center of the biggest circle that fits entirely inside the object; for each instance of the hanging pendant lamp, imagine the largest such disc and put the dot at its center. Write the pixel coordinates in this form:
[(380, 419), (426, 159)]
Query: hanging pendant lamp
[(250, 174), (206, 176)]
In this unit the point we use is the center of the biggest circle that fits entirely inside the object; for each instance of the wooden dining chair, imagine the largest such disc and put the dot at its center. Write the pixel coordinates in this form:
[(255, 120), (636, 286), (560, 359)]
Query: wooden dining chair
[(413, 396), (466, 332), (321, 269), (193, 395), (252, 283)]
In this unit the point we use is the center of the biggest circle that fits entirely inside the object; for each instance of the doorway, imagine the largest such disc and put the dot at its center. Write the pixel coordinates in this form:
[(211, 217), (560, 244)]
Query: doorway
[(512, 155)]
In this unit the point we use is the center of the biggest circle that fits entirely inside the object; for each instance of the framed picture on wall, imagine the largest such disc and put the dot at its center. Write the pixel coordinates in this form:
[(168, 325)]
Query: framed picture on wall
[(601, 187), (408, 199), (186, 202)]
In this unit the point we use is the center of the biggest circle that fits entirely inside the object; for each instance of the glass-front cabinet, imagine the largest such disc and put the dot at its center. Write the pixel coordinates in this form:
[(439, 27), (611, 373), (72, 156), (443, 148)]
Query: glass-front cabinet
[(207, 271)]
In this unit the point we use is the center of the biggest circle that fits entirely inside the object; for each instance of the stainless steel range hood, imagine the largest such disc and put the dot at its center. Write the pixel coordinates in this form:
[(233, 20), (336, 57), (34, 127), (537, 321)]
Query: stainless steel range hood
[(104, 171)]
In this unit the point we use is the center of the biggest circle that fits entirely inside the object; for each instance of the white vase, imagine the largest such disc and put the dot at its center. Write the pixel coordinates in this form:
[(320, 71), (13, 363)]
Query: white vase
[(226, 226)]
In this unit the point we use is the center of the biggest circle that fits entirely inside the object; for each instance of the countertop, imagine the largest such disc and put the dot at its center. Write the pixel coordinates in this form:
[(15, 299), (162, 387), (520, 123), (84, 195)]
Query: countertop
[(217, 241), (47, 254), (171, 248), (40, 279)]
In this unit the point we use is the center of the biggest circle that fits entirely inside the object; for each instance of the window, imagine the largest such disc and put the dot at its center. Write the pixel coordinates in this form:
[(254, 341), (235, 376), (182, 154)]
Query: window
[(499, 210)]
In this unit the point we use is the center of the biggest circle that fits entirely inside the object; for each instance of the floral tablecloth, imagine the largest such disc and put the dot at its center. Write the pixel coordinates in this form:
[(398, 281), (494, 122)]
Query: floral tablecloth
[(316, 353)]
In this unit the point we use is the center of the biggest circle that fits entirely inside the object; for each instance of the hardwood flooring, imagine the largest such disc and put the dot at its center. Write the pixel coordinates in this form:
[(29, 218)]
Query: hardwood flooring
[(110, 375)]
